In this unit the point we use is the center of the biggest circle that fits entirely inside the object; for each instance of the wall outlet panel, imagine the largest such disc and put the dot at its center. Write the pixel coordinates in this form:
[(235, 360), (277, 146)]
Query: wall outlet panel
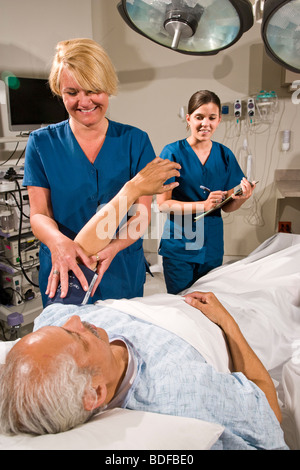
[(285, 227)]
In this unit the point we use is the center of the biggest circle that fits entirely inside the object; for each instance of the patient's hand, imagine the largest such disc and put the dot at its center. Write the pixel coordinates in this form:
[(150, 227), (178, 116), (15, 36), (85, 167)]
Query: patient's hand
[(210, 306)]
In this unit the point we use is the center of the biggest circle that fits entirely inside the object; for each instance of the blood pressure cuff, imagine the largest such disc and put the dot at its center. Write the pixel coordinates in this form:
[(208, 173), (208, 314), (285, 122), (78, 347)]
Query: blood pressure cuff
[(76, 295)]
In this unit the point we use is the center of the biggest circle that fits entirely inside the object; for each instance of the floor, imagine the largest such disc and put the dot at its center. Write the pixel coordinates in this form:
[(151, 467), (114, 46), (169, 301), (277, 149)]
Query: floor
[(155, 284)]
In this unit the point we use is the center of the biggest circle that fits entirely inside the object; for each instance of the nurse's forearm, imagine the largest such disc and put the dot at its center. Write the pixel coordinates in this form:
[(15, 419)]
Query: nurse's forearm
[(46, 230), (181, 207), (233, 205)]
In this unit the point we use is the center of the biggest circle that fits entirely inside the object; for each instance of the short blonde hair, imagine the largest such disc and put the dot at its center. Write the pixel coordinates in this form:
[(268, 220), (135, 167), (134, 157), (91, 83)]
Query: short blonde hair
[(88, 63)]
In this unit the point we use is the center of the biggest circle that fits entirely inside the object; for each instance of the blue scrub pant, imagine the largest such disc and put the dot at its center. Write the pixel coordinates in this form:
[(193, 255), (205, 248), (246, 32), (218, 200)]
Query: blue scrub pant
[(180, 275)]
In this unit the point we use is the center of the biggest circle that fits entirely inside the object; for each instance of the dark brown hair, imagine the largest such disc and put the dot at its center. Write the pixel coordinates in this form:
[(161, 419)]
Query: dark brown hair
[(203, 97)]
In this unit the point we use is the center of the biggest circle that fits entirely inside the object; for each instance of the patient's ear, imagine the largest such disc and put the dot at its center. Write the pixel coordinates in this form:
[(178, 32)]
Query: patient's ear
[(94, 396)]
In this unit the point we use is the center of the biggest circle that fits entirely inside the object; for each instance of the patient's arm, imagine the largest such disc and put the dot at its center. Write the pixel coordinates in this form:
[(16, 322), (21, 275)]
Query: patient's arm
[(65, 253), (243, 357), (101, 228)]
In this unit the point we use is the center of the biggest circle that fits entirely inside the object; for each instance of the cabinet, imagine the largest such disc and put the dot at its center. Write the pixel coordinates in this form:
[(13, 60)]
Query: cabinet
[(288, 198), (17, 138), (20, 298)]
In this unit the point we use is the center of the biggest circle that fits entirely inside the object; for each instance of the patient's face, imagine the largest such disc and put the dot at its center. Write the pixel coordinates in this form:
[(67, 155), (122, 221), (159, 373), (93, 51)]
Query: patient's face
[(88, 344)]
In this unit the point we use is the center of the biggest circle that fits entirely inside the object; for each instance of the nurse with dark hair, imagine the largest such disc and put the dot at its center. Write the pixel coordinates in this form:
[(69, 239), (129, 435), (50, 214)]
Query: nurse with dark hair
[(209, 174)]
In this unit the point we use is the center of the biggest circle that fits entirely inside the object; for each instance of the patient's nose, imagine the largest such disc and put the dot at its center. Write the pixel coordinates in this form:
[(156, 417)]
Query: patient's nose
[(74, 323)]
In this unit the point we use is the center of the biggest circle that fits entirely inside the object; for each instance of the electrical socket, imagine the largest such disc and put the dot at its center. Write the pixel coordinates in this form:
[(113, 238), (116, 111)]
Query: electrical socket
[(285, 227)]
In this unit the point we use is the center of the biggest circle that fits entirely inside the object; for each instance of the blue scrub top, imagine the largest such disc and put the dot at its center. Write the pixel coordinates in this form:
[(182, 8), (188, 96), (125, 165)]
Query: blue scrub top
[(183, 238), (55, 160)]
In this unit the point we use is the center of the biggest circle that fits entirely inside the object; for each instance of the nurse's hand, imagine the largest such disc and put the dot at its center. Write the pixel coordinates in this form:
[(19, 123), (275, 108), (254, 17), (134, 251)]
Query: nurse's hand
[(247, 188), (214, 198), (65, 258)]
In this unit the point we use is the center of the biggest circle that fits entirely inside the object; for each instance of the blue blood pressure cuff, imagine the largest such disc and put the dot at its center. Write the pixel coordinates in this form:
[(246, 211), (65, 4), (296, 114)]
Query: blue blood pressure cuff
[(76, 295)]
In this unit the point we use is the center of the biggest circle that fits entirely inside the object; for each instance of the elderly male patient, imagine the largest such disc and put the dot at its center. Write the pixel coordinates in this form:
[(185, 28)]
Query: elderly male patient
[(84, 359), (81, 360)]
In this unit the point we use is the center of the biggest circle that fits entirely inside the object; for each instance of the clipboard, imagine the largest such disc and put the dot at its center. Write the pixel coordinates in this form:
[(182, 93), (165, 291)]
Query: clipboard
[(221, 204)]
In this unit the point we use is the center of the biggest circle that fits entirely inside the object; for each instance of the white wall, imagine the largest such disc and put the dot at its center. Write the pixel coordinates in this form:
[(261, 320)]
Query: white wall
[(29, 31), (155, 82)]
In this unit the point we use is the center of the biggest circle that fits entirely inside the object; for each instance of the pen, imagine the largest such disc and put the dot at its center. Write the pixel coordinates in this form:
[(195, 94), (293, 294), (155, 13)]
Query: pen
[(205, 189), (88, 292), (209, 191)]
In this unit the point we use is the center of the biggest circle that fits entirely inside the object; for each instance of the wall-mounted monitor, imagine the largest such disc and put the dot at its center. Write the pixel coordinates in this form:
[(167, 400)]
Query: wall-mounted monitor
[(31, 104)]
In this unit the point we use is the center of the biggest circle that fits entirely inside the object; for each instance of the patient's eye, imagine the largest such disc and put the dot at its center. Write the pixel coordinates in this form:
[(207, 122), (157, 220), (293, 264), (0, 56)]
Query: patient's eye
[(78, 337)]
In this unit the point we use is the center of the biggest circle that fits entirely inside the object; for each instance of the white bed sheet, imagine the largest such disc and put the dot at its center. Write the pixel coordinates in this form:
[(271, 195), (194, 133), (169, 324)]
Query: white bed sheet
[(262, 292)]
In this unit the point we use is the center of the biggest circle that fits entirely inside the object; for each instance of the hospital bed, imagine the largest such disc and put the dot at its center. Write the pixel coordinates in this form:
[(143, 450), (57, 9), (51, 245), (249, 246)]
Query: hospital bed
[(262, 292)]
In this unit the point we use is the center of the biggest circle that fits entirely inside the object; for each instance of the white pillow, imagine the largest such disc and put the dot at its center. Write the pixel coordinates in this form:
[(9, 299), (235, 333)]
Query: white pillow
[(122, 429), (5, 347)]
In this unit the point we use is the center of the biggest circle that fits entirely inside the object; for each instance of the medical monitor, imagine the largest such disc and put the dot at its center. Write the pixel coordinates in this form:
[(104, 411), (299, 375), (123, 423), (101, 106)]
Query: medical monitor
[(31, 104)]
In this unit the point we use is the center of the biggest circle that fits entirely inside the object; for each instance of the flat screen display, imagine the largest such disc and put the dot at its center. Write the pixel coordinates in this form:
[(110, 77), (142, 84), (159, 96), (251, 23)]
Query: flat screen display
[(31, 104)]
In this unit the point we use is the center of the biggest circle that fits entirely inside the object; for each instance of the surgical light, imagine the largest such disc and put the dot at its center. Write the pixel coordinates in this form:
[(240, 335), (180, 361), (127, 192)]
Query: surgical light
[(193, 27), (281, 32)]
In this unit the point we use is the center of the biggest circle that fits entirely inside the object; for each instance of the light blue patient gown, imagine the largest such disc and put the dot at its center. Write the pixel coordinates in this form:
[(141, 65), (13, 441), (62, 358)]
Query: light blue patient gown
[(173, 378), (54, 160), (183, 239)]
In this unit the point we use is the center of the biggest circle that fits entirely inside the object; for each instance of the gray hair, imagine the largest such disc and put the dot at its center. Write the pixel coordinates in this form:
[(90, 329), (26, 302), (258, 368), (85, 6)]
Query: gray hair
[(36, 401)]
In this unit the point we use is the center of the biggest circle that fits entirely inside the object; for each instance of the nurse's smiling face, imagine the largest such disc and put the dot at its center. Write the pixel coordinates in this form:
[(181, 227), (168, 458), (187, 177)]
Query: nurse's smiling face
[(85, 107), (204, 121)]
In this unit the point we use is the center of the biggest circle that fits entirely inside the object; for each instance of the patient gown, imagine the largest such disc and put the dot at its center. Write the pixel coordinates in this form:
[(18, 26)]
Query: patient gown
[(173, 378), (54, 160), (184, 239)]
